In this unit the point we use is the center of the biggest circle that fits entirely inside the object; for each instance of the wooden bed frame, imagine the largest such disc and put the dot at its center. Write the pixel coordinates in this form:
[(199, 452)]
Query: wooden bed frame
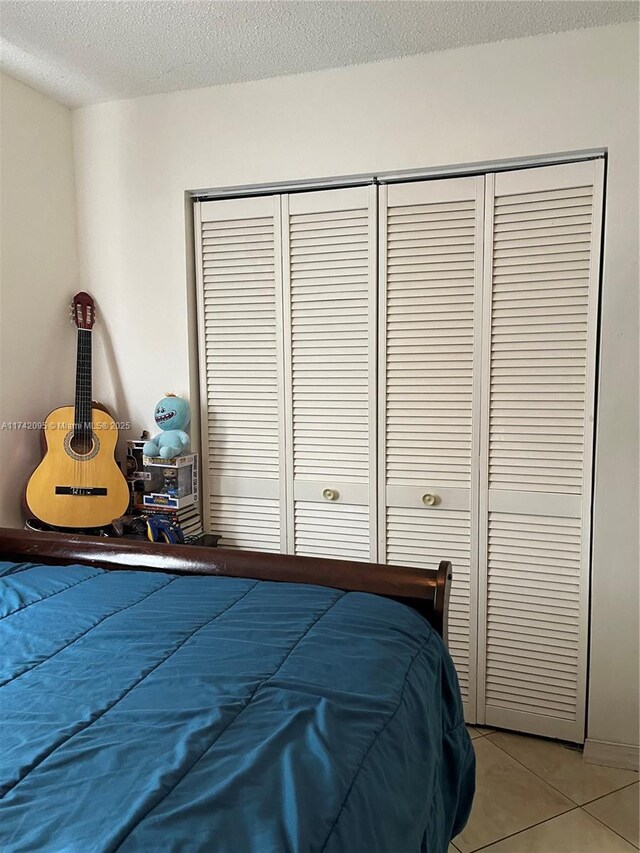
[(424, 590)]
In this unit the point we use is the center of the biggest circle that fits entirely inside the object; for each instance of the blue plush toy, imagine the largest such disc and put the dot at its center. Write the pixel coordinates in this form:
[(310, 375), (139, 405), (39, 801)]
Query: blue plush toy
[(172, 416)]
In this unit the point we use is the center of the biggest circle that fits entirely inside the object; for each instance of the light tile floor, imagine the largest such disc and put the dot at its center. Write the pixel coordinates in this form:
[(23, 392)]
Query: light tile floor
[(539, 796)]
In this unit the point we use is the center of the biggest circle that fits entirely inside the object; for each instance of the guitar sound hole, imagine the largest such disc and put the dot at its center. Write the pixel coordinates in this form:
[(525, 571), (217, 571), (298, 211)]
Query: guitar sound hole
[(81, 444)]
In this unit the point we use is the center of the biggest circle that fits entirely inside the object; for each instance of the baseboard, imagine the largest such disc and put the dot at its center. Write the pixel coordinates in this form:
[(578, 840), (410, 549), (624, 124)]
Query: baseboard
[(621, 755)]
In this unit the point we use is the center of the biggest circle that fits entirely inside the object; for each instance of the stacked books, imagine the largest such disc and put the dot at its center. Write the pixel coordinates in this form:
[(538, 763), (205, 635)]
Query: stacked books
[(188, 518)]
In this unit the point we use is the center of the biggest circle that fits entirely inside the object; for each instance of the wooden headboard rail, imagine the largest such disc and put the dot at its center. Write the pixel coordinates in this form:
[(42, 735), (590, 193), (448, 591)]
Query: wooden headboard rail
[(424, 590)]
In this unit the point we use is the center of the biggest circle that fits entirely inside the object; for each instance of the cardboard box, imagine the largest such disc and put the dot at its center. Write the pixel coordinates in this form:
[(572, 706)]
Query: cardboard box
[(170, 483)]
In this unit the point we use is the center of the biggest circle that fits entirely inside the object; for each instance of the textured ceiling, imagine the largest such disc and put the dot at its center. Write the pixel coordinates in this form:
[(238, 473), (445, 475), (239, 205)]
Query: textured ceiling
[(86, 51)]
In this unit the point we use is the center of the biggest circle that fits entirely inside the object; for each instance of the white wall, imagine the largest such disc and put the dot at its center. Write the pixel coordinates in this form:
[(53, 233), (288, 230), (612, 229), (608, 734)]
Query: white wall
[(577, 90), (38, 275)]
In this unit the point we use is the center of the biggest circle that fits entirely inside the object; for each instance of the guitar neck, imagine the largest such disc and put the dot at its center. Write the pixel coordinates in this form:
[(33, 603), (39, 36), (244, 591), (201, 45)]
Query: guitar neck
[(82, 413)]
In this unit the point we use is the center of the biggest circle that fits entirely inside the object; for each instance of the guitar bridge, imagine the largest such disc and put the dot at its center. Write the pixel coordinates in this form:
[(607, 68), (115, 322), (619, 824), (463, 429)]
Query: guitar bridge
[(93, 491)]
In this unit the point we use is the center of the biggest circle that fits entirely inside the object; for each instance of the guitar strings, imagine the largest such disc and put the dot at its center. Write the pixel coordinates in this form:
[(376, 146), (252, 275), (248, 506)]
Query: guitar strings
[(83, 414)]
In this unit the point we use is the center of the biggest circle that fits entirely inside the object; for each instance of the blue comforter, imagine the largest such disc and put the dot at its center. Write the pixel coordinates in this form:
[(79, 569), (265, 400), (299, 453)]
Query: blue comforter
[(147, 711)]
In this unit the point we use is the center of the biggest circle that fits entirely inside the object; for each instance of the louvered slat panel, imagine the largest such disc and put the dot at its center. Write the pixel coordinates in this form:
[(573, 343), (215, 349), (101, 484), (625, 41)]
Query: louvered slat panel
[(336, 531), (329, 303), (239, 269), (533, 614), (415, 538), (537, 407), (251, 523), (242, 367), (430, 271)]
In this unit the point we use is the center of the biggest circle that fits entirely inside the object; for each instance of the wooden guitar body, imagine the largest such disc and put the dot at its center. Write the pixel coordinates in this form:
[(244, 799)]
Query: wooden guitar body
[(78, 489)]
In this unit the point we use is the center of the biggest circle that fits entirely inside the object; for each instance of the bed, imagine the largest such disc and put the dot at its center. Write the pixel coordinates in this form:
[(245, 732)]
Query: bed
[(169, 698)]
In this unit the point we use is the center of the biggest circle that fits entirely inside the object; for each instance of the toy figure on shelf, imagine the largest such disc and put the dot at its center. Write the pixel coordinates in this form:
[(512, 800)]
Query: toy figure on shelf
[(170, 486), (172, 416)]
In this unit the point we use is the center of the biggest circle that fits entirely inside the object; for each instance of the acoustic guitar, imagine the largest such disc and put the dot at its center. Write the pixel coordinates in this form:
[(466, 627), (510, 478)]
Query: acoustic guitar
[(78, 483)]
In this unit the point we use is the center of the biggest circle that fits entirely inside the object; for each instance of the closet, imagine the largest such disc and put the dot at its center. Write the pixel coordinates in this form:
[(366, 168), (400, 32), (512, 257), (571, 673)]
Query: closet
[(404, 373)]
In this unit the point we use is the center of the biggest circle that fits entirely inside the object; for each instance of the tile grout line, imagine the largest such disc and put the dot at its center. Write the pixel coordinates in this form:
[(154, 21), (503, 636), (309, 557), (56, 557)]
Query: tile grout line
[(573, 807), (595, 800), (480, 734), (541, 778), (547, 820), (610, 828), (546, 781), (525, 829)]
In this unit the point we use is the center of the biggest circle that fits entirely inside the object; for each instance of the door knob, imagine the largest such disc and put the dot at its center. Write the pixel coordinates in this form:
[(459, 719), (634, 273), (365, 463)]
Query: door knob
[(330, 495), (430, 500)]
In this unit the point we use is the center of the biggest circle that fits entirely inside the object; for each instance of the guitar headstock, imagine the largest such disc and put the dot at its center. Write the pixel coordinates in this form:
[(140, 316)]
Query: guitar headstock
[(83, 311)]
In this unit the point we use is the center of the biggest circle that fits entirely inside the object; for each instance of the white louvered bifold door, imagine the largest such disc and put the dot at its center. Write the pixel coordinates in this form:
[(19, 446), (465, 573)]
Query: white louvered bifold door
[(238, 252), (330, 305), (430, 274), (541, 289)]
